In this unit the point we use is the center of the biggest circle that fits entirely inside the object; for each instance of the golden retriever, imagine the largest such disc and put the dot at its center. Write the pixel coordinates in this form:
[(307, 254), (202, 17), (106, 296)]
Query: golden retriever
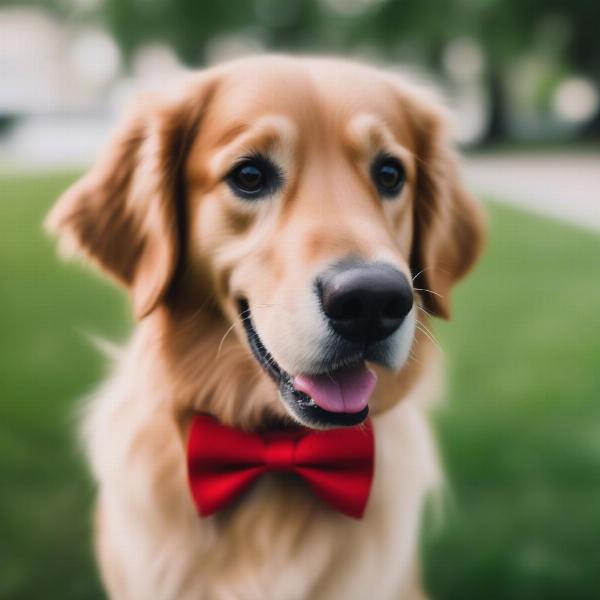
[(279, 223)]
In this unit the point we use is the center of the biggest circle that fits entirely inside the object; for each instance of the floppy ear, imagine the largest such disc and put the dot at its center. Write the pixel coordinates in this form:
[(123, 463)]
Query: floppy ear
[(449, 224), (125, 214)]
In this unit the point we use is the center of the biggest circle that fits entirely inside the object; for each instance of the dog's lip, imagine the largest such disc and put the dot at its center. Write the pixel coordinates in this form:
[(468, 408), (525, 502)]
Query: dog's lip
[(300, 404)]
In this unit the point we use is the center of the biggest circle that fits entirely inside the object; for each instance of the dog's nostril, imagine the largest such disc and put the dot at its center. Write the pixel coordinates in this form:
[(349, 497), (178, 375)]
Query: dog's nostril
[(349, 308), (393, 309)]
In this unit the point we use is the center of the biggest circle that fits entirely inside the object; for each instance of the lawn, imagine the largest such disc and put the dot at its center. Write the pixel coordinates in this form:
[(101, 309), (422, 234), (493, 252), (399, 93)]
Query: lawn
[(520, 432)]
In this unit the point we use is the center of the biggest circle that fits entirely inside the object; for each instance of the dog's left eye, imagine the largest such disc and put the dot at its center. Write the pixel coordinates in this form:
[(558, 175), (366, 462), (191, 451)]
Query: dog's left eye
[(254, 177), (389, 175)]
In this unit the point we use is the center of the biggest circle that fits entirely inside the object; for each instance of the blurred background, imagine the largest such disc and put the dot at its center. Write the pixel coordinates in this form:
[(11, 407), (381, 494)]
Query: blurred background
[(520, 431)]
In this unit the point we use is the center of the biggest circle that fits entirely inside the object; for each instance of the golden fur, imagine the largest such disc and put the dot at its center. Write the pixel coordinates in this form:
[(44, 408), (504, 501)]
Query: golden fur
[(155, 215)]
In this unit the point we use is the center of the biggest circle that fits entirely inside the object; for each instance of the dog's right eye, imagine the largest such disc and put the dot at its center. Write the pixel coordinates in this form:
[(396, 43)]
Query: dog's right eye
[(254, 177)]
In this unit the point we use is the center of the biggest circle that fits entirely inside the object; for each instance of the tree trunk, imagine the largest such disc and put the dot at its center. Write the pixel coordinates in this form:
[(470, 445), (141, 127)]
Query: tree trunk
[(591, 130), (497, 123)]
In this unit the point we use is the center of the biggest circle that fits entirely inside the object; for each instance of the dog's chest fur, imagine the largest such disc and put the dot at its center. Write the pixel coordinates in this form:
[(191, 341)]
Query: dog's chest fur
[(277, 542)]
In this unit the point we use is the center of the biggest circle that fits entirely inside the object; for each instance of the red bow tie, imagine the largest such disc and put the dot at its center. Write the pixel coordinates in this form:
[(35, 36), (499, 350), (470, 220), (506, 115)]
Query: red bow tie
[(337, 464)]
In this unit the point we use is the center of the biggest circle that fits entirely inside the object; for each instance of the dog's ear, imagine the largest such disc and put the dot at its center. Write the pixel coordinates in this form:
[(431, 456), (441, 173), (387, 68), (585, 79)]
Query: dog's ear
[(125, 213), (449, 224)]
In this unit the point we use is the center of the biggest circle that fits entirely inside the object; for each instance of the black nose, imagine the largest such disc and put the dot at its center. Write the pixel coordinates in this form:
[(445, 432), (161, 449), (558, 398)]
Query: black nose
[(365, 303)]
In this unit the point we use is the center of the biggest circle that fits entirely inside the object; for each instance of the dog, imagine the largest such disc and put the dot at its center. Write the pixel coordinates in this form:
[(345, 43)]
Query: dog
[(285, 227)]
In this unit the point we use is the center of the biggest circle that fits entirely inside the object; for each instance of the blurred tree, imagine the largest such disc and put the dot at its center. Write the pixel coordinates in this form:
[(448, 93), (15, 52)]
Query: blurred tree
[(583, 51), (189, 25), (506, 30), (186, 25), (414, 30)]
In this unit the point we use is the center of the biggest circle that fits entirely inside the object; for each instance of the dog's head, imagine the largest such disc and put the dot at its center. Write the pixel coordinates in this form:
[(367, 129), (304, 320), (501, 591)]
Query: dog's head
[(312, 204)]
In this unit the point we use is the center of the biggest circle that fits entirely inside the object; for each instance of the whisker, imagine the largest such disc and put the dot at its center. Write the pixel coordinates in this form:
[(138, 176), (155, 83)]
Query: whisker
[(422, 271), (428, 334), (243, 316), (421, 307), (425, 311), (229, 330), (426, 328), (412, 357), (426, 290)]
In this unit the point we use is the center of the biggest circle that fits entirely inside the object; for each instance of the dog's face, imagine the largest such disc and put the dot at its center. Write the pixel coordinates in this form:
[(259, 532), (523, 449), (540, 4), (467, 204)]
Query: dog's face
[(314, 201)]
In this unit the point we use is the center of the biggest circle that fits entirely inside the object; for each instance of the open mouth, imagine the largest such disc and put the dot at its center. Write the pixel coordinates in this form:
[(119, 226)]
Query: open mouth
[(335, 398)]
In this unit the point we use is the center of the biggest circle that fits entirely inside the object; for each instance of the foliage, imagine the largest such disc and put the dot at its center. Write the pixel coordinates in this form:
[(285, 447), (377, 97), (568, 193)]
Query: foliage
[(563, 32), (504, 28)]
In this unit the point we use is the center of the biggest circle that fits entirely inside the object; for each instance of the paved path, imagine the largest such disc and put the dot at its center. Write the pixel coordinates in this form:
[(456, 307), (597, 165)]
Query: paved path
[(566, 186)]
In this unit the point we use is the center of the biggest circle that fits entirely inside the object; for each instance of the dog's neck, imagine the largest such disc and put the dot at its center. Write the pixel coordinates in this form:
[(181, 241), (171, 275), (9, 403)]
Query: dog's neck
[(200, 364)]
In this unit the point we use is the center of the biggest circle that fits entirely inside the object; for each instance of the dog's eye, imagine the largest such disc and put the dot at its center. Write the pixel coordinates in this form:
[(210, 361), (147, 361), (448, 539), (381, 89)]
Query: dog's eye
[(389, 175), (249, 178), (254, 178)]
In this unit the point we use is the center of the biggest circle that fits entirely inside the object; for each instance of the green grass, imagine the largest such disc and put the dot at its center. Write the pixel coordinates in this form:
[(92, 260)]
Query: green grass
[(46, 363), (520, 433)]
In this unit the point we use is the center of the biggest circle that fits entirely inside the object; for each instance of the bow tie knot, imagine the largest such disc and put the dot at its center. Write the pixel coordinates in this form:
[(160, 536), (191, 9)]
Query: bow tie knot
[(279, 454), (223, 461)]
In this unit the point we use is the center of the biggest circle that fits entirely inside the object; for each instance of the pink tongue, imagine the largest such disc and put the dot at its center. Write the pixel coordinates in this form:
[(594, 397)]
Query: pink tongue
[(344, 391)]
